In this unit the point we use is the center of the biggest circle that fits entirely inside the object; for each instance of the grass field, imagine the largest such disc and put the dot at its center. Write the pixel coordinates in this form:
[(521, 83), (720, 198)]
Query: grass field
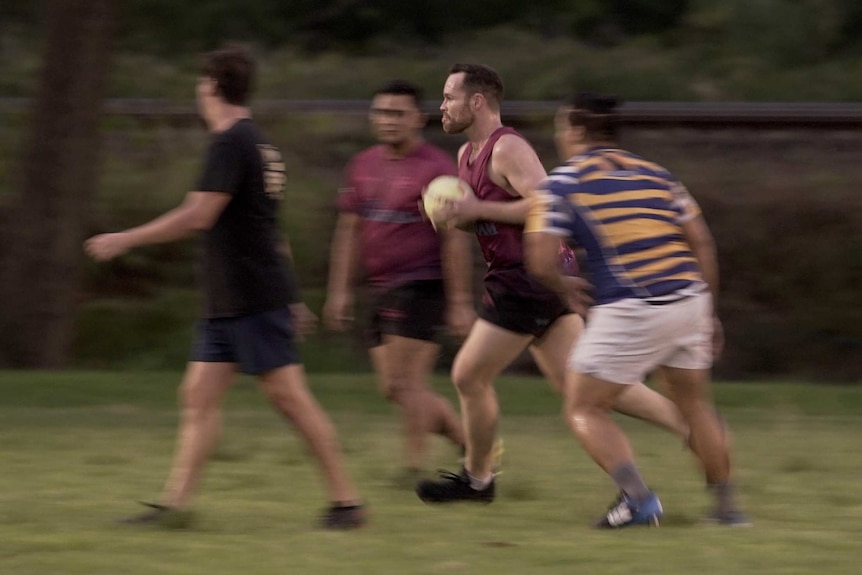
[(77, 449)]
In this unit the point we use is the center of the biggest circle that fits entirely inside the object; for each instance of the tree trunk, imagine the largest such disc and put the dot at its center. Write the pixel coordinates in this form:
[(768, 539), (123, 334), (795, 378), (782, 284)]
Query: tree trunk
[(41, 268)]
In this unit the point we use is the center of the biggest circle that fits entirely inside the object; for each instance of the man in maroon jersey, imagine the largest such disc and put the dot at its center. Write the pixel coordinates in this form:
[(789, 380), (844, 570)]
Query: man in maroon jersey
[(420, 281), (517, 312)]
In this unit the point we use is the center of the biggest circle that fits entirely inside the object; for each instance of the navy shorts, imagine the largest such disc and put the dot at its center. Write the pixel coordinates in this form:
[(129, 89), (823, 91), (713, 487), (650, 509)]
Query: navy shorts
[(258, 343), (521, 314), (416, 310)]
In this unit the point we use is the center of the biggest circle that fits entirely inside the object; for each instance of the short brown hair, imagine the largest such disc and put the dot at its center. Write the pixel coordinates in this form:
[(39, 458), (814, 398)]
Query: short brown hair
[(481, 79), (233, 70)]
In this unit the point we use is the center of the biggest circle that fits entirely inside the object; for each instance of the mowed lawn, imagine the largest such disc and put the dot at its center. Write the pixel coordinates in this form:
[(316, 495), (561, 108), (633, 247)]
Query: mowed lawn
[(78, 449)]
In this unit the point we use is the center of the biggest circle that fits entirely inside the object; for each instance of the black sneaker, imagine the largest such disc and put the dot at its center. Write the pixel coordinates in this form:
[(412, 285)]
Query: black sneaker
[(453, 487), (160, 516), (344, 517)]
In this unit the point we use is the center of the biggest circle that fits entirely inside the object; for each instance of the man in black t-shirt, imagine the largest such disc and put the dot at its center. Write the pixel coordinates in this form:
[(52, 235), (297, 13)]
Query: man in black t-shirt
[(252, 308)]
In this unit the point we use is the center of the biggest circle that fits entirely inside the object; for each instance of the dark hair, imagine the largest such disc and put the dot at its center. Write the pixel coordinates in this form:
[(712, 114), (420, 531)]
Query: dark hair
[(402, 88), (597, 114), (233, 70), (481, 79)]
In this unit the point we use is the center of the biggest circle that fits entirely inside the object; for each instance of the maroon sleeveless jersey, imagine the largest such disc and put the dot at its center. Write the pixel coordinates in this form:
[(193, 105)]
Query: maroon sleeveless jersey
[(501, 244)]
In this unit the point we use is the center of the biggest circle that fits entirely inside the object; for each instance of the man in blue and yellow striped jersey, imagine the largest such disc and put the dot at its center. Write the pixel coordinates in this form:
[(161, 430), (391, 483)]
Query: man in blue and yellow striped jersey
[(651, 259)]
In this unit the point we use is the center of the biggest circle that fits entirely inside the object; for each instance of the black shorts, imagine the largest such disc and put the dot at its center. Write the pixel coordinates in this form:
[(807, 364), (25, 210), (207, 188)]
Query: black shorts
[(521, 314), (258, 342), (415, 309)]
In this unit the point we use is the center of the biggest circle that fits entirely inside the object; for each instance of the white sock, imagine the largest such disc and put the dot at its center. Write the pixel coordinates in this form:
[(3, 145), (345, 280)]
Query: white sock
[(480, 484)]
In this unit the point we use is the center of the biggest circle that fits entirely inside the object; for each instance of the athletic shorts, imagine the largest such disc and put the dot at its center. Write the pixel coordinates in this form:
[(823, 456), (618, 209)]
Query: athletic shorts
[(520, 314), (258, 343), (625, 340), (415, 309)]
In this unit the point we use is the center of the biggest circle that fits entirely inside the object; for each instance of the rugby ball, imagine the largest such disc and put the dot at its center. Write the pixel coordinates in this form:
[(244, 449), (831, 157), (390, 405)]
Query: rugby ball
[(440, 191)]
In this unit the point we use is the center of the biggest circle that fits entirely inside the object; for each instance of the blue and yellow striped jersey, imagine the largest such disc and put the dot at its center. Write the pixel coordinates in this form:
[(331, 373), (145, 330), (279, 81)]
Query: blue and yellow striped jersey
[(627, 213)]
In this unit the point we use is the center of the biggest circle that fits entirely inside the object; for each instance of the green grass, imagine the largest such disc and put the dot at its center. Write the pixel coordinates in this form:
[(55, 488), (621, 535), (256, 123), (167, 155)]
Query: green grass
[(77, 448)]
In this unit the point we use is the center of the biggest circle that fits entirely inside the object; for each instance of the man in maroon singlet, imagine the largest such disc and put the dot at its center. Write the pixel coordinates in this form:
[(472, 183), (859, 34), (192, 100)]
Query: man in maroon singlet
[(517, 312), (414, 295)]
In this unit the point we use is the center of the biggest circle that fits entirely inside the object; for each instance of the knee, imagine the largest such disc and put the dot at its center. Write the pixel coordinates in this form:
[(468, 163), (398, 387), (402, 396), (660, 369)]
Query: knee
[(580, 410), (394, 391), (195, 402), (279, 393), (467, 381), (578, 417)]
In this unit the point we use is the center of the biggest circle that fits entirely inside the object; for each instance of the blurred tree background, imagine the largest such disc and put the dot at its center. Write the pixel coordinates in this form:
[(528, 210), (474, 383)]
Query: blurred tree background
[(784, 204)]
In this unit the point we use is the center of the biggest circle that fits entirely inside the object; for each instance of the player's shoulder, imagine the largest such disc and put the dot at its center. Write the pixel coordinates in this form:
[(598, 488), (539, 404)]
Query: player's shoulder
[(244, 136), (364, 158), (561, 180), (649, 165), (511, 146), (368, 154), (511, 140)]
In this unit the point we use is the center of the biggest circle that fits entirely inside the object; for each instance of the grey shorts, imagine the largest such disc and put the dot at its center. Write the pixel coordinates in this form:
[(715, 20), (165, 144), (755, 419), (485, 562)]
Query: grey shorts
[(625, 340)]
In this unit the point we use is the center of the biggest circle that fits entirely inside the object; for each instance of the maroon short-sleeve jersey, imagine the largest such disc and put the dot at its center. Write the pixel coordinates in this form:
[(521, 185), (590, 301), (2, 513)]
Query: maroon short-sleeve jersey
[(398, 245)]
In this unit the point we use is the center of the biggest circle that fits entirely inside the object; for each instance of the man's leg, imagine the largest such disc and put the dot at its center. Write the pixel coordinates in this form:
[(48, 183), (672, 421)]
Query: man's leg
[(588, 402), (690, 389), (404, 366), (488, 350), (287, 391), (551, 353), (200, 396)]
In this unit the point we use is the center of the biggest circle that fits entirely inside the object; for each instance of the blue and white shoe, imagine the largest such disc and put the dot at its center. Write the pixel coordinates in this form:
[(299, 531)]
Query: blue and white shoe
[(625, 512)]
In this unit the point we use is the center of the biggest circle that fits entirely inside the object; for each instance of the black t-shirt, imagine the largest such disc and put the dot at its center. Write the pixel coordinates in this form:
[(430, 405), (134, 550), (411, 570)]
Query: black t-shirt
[(241, 270)]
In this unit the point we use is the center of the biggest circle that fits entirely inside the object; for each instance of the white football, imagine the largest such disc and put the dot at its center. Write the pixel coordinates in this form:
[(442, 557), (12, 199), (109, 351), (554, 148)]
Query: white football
[(441, 190)]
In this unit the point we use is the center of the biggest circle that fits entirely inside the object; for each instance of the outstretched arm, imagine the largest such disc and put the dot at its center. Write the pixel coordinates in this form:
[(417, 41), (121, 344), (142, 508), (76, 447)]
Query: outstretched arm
[(199, 211)]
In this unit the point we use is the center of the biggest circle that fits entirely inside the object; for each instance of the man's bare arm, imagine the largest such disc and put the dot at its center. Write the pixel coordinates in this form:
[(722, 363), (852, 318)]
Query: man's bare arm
[(458, 280), (343, 261), (702, 246), (199, 211)]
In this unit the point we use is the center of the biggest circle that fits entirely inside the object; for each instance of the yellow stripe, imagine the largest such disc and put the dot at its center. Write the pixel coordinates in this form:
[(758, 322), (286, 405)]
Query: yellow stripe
[(607, 213), (620, 233), (588, 199), (651, 253), (638, 178), (692, 276), (623, 159), (658, 267), (594, 161), (536, 216)]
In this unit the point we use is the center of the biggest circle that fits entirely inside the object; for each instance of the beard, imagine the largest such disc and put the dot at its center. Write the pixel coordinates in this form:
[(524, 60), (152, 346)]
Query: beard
[(453, 126)]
